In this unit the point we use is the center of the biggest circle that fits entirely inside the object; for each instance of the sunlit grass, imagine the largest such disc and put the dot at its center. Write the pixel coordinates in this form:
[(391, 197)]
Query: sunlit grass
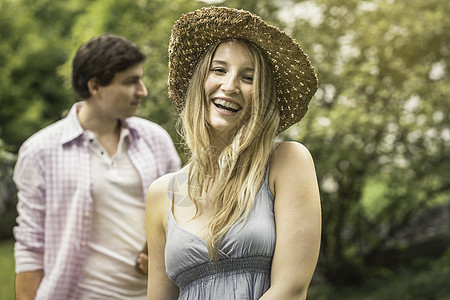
[(7, 273)]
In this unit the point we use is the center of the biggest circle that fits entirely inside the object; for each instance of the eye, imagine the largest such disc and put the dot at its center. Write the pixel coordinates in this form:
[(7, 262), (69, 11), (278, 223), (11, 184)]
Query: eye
[(248, 78), (218, 70), (132, 81)]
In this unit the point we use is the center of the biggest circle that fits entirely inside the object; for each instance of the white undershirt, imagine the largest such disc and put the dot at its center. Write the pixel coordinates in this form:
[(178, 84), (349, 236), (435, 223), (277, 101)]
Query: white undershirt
[(118, 226)]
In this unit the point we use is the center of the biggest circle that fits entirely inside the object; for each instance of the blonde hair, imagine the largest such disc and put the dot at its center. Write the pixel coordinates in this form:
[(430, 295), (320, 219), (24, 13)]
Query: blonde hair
[(238, 171)]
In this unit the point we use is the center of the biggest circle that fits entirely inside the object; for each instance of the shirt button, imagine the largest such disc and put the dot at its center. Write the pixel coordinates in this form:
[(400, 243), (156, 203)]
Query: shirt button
[(87, 214), (83, 244)]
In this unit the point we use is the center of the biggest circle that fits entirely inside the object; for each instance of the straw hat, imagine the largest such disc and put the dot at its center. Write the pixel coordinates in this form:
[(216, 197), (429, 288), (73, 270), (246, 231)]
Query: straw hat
[(192, 35)]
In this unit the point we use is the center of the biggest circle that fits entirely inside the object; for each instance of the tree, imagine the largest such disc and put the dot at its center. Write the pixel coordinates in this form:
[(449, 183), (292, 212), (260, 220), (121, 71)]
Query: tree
[(378, 126), (380, 117), (7, 191)]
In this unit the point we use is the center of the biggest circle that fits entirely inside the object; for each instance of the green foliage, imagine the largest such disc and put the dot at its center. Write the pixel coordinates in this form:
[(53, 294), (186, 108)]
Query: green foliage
[(428, 280), (7, 192), (380, 117), (33, 46), (378, 126)]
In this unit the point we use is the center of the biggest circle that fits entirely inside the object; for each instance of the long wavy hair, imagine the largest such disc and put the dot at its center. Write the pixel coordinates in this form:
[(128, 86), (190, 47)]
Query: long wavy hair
[(237, 172)]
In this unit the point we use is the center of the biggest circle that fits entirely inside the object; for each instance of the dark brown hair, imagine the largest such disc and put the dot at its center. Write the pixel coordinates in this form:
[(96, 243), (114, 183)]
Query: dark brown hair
[(101, 58)]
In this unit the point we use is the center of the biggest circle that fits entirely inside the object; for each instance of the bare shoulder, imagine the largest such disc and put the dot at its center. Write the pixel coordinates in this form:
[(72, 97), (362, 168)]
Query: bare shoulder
[(158, 193), (290, 154), (157, 200), (291, 161), (160, 187)]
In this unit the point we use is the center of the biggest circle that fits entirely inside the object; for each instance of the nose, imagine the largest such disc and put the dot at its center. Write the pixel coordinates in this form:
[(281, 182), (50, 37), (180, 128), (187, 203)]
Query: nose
[(141, 90), (230, 84)]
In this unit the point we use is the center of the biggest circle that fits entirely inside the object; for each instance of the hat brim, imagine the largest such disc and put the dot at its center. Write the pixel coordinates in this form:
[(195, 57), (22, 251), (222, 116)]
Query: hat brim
[(192, 35)]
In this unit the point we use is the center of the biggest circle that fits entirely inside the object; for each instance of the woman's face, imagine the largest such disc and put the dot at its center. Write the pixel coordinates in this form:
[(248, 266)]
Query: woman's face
[(229, 86)]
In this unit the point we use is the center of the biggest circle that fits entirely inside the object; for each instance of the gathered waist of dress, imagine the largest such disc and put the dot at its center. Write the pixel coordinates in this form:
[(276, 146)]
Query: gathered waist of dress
[(249, 264)]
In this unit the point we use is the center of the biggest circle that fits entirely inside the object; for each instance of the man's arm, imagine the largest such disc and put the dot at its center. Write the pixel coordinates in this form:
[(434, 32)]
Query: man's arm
[(142, 260), (29, 232), (27, 284)]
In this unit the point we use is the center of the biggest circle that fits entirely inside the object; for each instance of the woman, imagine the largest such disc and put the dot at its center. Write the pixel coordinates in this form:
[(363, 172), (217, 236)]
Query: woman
[(237, 82)]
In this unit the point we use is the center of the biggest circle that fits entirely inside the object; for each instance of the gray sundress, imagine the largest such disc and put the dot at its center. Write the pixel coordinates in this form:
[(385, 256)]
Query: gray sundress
[(245, 256)]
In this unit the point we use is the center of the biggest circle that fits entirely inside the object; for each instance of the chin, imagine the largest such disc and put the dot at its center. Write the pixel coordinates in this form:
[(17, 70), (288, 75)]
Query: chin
[(223, 129), (220, 125), (131, 113)]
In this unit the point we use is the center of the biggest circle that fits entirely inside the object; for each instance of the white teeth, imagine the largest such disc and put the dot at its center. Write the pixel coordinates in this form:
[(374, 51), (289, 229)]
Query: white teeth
[(227, 104)]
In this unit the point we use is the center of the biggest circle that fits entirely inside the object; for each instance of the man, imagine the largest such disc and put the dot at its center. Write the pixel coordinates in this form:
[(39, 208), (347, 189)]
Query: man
[(82, 183)]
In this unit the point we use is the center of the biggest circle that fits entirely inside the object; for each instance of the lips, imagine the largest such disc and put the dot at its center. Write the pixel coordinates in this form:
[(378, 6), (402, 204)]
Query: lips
[(226, 105), (136, 103)]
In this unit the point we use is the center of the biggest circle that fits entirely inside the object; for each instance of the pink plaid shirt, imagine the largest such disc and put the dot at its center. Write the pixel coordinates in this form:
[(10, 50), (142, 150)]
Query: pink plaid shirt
[(52, 176)]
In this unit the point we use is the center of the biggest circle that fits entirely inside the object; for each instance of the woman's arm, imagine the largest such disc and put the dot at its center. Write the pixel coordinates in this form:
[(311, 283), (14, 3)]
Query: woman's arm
[(157, 206), (298, 221)]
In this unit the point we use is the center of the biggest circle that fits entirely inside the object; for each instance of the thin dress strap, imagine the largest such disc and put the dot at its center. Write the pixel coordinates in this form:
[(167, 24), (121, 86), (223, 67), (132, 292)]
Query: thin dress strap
[(266, 177), (171, 191)]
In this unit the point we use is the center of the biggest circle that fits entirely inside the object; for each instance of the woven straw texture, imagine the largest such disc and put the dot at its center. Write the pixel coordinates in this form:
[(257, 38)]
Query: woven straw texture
[(192, 35)]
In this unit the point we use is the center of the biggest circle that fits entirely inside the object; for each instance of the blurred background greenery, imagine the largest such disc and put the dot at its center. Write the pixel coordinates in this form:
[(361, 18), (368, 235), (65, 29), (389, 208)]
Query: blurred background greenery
[(378, 126)]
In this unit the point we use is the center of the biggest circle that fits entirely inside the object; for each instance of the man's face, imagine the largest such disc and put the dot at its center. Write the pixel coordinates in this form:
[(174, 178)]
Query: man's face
[(122, 97)]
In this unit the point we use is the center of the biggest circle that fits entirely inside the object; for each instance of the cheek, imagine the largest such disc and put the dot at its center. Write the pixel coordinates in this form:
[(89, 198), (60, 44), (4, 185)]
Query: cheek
[(118, 92), (212, 84), (248, 95), (208, 86)]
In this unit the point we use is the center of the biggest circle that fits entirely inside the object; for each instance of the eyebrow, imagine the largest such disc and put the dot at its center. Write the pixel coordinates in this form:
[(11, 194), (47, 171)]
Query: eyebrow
[(133, 77), (219, 61)]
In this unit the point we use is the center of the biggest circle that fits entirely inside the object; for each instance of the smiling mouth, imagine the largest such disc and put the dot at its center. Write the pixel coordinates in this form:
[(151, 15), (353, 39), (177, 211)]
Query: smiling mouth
[(227, 105)]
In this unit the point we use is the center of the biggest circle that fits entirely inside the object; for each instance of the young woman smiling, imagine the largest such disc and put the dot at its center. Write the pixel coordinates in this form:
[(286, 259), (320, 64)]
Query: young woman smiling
[(242, 219)]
